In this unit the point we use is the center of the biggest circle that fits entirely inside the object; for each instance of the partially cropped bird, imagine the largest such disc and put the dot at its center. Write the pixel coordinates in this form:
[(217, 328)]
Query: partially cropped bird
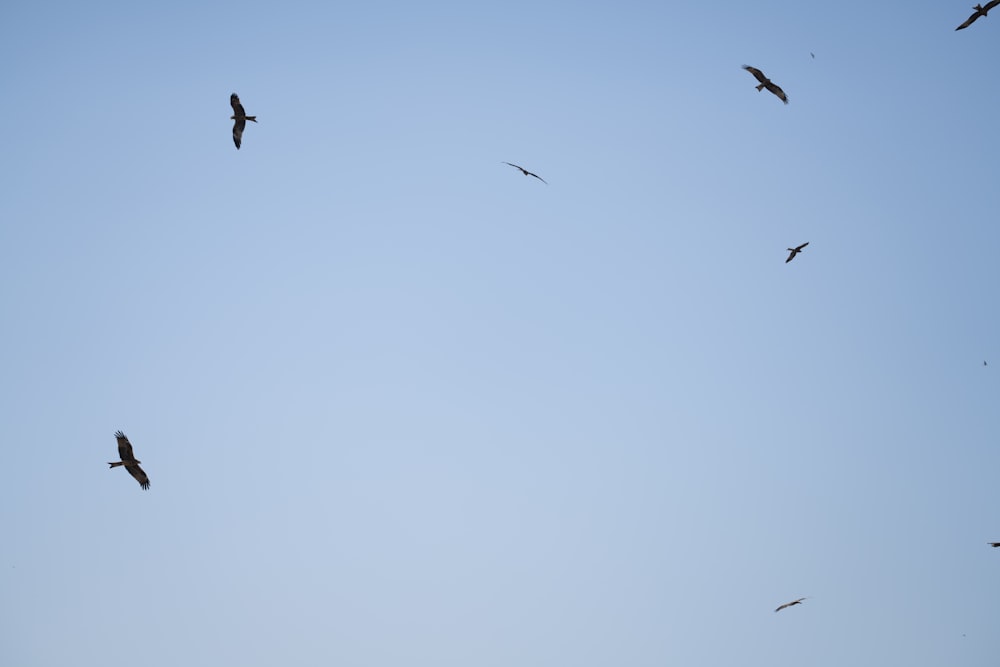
[(994, 544), (980, 11), (767, 83), (528, 173), (790, 604), (795, 251)]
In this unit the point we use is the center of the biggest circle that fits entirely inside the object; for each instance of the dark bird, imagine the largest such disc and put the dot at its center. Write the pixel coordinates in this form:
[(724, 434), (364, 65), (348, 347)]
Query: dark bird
[(129, 461), (994, 544), (791, 604), (980, 11), (766, 83), (813, 55), (241, 118), (528, 173), (795, 251)]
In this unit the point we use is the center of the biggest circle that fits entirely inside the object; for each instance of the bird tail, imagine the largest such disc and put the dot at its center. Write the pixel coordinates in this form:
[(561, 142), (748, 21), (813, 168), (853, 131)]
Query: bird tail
[(760, 87), (253, 118), (116, 463)]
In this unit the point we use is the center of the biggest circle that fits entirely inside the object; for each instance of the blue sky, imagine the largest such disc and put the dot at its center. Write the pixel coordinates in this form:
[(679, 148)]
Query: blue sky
[(400, 405)]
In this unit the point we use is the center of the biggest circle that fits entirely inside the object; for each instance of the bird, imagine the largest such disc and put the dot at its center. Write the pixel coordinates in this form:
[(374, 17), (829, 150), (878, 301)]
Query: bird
[(766, 83), (980, 11), (241, 118), (994, 544), (129, 461), (813, 55), (795, 251), (790, 604), (528, 173)]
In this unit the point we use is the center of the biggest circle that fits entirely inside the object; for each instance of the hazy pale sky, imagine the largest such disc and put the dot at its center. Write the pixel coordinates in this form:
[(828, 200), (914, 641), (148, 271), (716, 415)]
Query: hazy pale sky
[(402, 406)]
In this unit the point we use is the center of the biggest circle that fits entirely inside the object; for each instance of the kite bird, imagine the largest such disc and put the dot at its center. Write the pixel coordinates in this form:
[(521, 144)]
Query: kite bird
[(791, 604), (766, 83), (129, 461), (795, 251), (980, 11), (528, 173), (241, 118)]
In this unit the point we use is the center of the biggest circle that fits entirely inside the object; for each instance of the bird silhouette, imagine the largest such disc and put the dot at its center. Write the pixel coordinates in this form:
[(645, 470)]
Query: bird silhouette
[(980, 11), (795, 251), (528, 173), (790, 604)]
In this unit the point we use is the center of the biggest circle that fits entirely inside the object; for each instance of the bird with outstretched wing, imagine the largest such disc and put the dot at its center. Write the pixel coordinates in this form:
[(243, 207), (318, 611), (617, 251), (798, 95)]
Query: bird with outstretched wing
[(792, 252), (767, 83), (129, 461), (240, 117), (980, 11), (790, 604), (526, 172)]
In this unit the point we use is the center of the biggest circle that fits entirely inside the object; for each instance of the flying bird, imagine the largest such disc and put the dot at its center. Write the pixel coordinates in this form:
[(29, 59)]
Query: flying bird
[(766, 83), (795, 251), (528, 173), (980, 11), (129, 461), (241, 118), (790, 604), (994, 544)]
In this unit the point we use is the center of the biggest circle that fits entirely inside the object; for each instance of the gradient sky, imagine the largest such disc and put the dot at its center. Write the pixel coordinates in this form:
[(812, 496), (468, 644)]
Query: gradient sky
[(402, 406)]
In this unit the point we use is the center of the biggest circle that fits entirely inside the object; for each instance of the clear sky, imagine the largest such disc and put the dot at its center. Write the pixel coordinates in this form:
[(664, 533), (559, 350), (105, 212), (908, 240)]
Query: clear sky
[(402, 406)]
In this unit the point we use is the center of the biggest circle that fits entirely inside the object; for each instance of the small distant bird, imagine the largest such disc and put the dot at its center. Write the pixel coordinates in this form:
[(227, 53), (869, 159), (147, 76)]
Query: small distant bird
[(241, 118), (985, 364), (766, 83), (528, 173), (994, 544), (790, 604), (129, 461), (980, 11), (795, 251), (813, 55)]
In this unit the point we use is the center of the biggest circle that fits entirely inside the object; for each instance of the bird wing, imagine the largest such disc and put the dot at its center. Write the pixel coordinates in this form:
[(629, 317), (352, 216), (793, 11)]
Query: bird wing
[(234, 101), (238, 131), (137, 472), (538, 177), (756, 73), (774, 88), (124, 447), (516, 166), (990, 5), (799, 249), (789, 604), (969, 21), (791, 256)]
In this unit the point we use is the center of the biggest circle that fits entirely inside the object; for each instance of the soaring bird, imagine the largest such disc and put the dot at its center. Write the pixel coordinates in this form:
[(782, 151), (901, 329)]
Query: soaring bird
[(790, 604), (766, 83), (129, 461), (528, 173), (241, 118), (795, 251), (994, 544), (980, 11)]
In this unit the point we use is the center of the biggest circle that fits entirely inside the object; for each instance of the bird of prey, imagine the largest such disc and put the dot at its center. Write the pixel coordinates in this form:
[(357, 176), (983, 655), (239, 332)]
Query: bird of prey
[(766, 83), (980, 11), (528, 173), (994, 544), (129, 461), (241, 118), (795, 251), (790, 604)]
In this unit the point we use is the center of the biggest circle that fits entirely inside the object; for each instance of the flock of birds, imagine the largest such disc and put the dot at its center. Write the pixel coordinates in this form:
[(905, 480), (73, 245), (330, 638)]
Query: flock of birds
[(240, 118)]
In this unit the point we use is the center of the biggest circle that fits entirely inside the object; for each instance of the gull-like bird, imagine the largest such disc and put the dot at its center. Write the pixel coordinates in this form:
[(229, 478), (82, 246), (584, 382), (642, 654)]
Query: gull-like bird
[(528, 173), (980, 11), (241, 118), (790, 604), (795, 251), (766, 83), (129, 461)]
